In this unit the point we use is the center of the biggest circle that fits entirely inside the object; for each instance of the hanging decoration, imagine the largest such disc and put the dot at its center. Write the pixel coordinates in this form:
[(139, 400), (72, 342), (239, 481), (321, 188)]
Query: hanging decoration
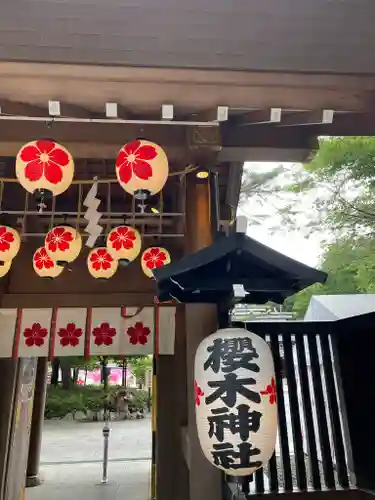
[(44, 168), (235, 382), (124, 244), (142, 168), (44, 266), (101, 264), (152, 258), (10, 242), (92, 215), (63, 244), (5, 268)]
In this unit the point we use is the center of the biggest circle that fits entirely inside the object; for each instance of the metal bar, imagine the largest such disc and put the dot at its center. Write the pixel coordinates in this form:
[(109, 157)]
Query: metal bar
[(274, 480), (150, 235), (308, 412), (333, 408), (109, 121), (284, 443), (295, 413), (115, 214), (259, 474), (321, 413), (106, 431)]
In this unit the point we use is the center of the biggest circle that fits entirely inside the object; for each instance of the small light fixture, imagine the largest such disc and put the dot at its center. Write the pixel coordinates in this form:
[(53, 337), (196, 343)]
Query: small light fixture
[(155, 210), (202, 174)]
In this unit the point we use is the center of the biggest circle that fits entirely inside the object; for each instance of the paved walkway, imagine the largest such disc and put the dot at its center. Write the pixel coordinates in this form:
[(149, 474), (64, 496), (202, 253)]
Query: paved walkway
[(71, 461)]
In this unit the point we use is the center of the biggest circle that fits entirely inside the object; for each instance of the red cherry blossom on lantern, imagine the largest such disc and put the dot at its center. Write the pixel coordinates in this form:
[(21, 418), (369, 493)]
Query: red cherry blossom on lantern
[(138, 334), (35, 335), (44, 158), (42, 259), (59, 239), (133, 158), (70, 335), (6, 237), (104, 334), (198, 393), (155, 258), (101, 259), (122, 237), (270, 391)]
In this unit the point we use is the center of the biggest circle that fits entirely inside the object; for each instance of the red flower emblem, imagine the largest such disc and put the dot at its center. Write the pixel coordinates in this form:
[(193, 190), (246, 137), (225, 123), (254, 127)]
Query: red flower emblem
[(198, 393), (138, 334), (101, 259), (122, 237), (59, 238), (270, 391), (70, 335), (133, 158), (104, 334), (6, 237), (42, 259), (155, 258), (35, 335), (44, 158)]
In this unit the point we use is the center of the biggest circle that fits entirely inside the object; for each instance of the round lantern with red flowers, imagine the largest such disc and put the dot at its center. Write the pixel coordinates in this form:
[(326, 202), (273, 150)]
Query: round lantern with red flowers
[(5, 268), (44, 166), (153, 258), (101, 264), (124, 244), (10, 243), (44, 266), (142, 168), (63, 244)]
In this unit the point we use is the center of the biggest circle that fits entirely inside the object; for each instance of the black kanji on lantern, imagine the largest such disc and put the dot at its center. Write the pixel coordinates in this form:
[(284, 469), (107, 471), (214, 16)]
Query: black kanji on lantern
[(224, 455), (231, 354), (228, 388), (241, 422)]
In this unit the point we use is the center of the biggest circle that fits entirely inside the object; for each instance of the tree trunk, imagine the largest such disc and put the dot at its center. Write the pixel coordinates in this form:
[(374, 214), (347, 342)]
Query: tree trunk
[(55, 372), (66, 374), (85, 375), (124, 372), (75, 375)]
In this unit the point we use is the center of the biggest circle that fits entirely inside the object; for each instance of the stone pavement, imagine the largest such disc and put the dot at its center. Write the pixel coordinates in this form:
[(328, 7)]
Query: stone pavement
[(71, 461)]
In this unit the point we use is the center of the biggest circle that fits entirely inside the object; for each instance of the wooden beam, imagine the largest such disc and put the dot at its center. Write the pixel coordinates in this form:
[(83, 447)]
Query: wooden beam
[(58, 108), (260, 117), (115, 110), (303, 118), (21, 109)]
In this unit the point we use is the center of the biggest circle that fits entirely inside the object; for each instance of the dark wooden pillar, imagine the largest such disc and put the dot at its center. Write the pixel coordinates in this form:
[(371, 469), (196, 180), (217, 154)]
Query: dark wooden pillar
[(201, 320), (32, 476)]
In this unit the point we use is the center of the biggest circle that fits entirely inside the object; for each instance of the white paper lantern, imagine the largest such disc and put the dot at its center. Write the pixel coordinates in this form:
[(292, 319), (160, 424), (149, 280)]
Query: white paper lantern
[(44, 266), (152, 258), (10, 243), (44, 165), (63, 244), (142, 168), (235, 400), (124, 243), (5, 268), (101, 264)]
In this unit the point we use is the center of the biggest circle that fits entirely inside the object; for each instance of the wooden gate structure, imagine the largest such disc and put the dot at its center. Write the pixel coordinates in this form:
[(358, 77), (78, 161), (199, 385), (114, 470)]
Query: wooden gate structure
[(215, 84)]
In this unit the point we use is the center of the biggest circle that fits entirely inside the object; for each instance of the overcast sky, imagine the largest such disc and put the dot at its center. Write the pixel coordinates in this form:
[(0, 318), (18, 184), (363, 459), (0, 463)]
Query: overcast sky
[(297, 244)]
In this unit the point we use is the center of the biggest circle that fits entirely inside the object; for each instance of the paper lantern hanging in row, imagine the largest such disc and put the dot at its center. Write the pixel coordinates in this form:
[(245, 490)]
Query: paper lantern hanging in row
[(10, 242), (44, 167), (5, 268), (142, 168), (152, 258), (44, 266), (124, 244), (63, 244), (101, 264), (235, 400)]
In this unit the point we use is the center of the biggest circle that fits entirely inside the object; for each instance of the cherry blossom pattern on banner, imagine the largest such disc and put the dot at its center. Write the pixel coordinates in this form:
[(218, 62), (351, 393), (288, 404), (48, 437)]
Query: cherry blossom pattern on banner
[(44, 158), (35, 336), (138, 334), (198, 393), (104, 334), (133, 159), (271, 392), (70, 335)]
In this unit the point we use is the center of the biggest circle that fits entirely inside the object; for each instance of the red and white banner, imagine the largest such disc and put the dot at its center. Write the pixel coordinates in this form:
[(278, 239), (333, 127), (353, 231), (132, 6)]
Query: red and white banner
[(77, 331)]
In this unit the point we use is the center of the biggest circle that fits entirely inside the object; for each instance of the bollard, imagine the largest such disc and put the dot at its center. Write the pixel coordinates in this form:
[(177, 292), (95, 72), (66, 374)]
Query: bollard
[(106, 431)]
